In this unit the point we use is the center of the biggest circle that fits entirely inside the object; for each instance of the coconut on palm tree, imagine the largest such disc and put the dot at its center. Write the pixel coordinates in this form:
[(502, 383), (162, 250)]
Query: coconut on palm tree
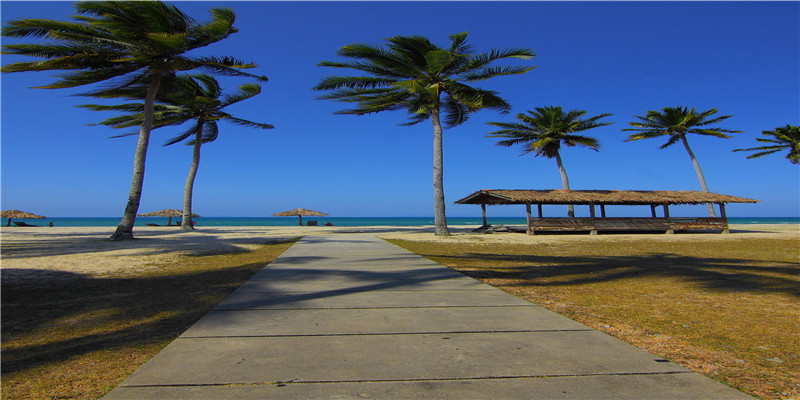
[(782, 138), (127, 40), (543, 130), (676, 123), (193, 98), (411, 73)]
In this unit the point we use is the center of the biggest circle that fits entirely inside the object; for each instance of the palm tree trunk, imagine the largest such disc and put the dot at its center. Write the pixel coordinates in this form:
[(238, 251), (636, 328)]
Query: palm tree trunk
[(186, 223), (564, 183), (439, 217), (125, 228), (700, 177)]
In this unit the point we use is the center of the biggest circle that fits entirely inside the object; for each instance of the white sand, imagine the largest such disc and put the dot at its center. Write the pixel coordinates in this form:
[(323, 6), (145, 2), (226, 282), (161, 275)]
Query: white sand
[(43, 251)]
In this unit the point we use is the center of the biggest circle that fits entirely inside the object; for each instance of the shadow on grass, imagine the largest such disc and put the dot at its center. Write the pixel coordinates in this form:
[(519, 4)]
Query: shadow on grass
[(144, 245), (129, 312), (721, 274), (109, 312)]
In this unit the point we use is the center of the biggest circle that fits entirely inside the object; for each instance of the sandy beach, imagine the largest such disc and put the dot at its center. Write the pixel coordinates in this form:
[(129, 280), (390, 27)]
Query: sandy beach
[(49, 252)]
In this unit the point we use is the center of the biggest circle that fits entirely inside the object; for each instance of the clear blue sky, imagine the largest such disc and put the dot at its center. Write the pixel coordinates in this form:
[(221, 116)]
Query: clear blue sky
[(604, 57)]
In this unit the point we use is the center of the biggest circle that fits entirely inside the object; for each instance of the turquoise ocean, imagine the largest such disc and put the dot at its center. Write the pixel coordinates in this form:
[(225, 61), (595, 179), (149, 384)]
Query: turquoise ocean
[(336, 221)]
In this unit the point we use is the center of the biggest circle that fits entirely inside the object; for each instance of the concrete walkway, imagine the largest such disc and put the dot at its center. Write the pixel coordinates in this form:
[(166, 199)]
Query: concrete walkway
[(352, 316)]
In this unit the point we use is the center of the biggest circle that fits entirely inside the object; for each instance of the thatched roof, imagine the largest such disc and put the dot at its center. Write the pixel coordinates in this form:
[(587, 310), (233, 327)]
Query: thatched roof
[(619, 197), (19, 214), (170, 212), (299, 212)]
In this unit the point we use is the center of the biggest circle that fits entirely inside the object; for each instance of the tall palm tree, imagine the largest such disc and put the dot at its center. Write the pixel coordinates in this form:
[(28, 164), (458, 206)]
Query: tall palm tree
[(413, 74), (543, 130), (677, 122), (786, 137), (196, 98), (127, 40)]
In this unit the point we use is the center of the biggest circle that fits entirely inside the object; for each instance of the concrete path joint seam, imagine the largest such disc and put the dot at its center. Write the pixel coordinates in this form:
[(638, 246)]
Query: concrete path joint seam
[(385, 333), (473, 378)]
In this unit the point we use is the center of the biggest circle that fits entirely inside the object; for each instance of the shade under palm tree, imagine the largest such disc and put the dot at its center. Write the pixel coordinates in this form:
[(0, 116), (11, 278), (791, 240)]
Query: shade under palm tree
[(19, 215), (169, 213), (300, 212)]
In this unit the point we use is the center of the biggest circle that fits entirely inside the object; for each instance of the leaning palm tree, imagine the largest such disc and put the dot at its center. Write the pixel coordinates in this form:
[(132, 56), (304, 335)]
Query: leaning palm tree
[(194, 98), (676, 123), (127, 40), (543, 130), (411, 73), (782, 138)]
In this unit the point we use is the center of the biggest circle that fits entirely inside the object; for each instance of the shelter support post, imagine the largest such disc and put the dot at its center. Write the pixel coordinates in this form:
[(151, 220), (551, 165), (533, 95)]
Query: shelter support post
[(539, 208), (724, 217), (483, 212), (592, 214), (653, 210), (669, 231), (529, 218), (602, 210)]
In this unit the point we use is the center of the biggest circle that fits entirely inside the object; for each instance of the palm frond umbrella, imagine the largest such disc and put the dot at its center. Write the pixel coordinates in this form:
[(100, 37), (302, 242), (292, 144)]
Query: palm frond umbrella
[(299, 212), (169, 213), (18, 215)]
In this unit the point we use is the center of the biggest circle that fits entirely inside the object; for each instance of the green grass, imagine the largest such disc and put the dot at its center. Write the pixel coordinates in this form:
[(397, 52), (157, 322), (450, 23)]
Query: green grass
[(76, 337), (729, 309)]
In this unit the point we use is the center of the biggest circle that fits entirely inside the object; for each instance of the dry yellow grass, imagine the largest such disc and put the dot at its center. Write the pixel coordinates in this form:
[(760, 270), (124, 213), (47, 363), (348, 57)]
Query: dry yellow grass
[(729, 309), (72, 336)]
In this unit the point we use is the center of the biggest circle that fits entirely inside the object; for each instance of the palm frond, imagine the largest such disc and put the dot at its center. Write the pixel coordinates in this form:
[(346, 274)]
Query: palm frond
[(352, 82), (192, 131), (455, 112), (249, 124), (412, 73), (482, 60), (492, 72)]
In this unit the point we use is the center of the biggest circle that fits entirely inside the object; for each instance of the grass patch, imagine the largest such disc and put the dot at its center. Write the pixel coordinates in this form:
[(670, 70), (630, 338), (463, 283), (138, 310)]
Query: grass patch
[(728, 309), (69, 336)]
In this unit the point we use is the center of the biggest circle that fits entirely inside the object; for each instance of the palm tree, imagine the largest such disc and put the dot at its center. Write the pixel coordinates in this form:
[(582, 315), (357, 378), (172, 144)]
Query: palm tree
[(197, 98), (677, 122), (127, 40), (544, 129), (411, 73), (787, 137)]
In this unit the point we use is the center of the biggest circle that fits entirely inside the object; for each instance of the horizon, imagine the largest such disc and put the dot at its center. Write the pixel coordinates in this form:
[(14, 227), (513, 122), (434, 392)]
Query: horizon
[(622, 58)]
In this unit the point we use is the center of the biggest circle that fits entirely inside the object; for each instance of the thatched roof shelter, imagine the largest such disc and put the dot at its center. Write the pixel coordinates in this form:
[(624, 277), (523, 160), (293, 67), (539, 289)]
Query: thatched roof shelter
[(18, 215), (586, 197), (169, 213), (300, 212), (602, 198)]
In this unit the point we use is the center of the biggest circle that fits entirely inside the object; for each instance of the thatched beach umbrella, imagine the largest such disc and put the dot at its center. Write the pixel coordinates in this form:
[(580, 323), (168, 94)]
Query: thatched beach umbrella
[(18, 215), (299, 212), (169, 213)]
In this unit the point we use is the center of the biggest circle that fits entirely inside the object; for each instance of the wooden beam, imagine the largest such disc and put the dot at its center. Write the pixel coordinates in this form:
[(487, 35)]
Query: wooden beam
[(539, 208), (724, 218), (666, 215), (653, 210), (483, 212), (602, 210), (591, 210), (529, 218)]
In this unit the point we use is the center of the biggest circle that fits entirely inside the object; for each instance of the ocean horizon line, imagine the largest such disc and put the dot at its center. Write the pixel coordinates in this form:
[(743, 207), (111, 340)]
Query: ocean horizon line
[(335, 221)]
